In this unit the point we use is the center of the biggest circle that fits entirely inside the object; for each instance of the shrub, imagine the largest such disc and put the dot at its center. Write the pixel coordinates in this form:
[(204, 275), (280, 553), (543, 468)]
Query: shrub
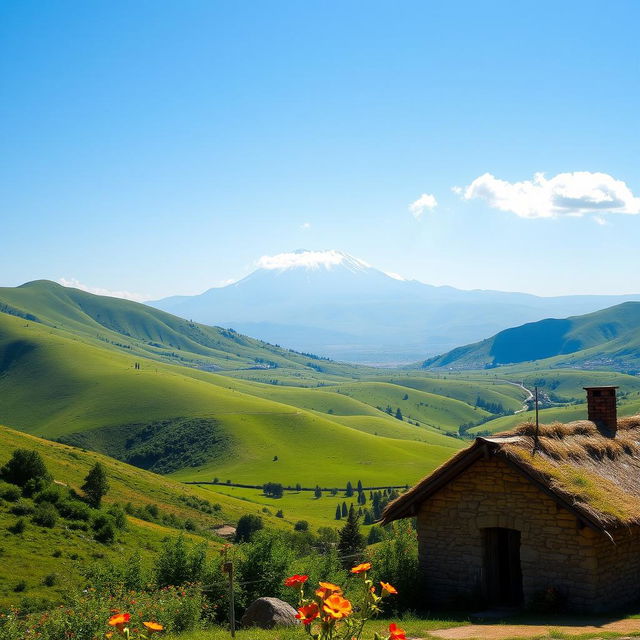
[(119, 516), (52, 494), (20, 586), (104, 528), (10, 492), (180, 563), (301, 525), (248, 524), (265, 564), (18, 527), (24, 465), (74, 510), (45, 515), (50, 580), (57, 554), (22, 508)]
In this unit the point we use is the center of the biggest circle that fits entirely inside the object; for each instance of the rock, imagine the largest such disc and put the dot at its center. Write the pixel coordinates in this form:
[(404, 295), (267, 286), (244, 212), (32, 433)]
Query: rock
[(267, 613)]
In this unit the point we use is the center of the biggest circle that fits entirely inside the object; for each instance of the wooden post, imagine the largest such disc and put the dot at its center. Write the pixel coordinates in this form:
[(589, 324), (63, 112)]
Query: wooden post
[(227, 568)]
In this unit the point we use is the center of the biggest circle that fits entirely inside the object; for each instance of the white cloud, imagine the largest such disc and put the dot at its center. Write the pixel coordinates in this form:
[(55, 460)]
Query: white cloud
[(99, 291), (305, 225), (425, 201), (567, 194), (310, 260)]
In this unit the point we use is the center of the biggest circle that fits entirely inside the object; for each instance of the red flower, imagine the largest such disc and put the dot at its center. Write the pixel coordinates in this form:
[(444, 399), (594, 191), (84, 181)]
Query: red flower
[(396, 633), (295, 581), (337, 606), (308, 613)]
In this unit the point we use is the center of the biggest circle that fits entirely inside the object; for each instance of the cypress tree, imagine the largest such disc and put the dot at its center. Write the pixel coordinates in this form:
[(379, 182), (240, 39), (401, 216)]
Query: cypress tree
[(338, 512), (345, 511), (349, 491), (318, 492), (351, 542), (95, 485)]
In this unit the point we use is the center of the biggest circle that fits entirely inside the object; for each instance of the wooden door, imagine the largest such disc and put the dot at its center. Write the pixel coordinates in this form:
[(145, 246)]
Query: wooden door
[(502, 570)]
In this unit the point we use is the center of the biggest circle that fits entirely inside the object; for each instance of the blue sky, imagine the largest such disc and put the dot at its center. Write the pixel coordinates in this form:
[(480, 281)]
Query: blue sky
[(163, 147)]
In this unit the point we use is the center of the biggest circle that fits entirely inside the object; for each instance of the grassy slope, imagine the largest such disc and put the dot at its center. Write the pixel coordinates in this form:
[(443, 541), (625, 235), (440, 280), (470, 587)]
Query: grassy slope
[(57, 385), (29, 556), (608, 337)]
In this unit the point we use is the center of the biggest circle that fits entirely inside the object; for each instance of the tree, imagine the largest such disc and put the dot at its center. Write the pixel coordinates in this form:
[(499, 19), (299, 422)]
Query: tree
[(318, 492), (398, 414), (279, 514), (298, 487), (351, 542), (25, 465), (344, 510), (359, 486), (96, 485), (349, 491), (338, 512), (375, 535), (273, 489), (248, 524)]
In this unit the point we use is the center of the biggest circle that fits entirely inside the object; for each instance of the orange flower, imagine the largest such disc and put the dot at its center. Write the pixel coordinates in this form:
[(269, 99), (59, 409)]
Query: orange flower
[(308, 613), (365, 566), (337, 606), (153, 626), (119, 620), (295, 581), (326, 589), (387, 589), (396, 633)]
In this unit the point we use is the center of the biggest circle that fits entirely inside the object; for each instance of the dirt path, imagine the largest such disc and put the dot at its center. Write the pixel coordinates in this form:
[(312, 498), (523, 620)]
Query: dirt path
[(508, 631)]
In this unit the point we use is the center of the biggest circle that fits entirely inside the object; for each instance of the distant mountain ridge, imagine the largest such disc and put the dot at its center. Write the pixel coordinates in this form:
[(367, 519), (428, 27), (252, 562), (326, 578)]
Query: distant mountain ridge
[(333, 304), (609, 338)]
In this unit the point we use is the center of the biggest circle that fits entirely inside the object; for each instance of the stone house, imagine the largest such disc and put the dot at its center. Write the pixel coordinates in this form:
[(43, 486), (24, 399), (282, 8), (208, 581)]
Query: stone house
[(534, 513)]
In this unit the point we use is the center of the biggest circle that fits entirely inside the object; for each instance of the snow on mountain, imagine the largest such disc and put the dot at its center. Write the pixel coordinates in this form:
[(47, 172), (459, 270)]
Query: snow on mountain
[(334, 304)]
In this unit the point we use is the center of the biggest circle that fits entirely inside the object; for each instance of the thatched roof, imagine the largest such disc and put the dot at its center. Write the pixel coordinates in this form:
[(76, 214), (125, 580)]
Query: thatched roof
[(590, 472)]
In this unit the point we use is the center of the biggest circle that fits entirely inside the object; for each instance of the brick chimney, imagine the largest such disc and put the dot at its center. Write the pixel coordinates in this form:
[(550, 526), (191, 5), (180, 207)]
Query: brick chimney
[(601, 402)]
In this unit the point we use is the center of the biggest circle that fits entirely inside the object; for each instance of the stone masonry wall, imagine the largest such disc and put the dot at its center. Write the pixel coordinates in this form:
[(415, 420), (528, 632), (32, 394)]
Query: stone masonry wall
[(555, 551)]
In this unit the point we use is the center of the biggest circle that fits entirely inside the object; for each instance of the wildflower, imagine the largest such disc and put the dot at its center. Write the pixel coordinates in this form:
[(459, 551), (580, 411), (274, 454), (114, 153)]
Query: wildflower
[(365, 566), (388, 590), (396, 633), (153, 626), (295, 581), (308, 613), (326, 589), (337, 606)]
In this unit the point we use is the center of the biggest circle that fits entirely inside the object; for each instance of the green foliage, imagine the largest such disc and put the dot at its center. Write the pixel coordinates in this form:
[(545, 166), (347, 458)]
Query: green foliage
[(24, 465), (351, 542), (301, 525), (264, 564), (273, 489), (96, 485), (104, 528), (18, 527), (180, 563), (45, 515), (248, 525), (9, 492), (74, 510), (396, 561)]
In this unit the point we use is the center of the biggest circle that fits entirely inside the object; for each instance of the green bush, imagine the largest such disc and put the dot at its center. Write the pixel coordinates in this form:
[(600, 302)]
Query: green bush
[(22, 508), (52, 494), (301, 525), (21, 585), (10, 492), (119, 516), (180, 563), (18, 527), (50, 580), (45, 515), (24, 465), (248, 525), (74, 510), (104, 528)]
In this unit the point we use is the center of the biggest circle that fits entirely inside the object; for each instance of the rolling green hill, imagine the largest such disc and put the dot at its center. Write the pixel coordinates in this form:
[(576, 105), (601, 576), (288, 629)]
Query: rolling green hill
[(62, 383), (607, 339)]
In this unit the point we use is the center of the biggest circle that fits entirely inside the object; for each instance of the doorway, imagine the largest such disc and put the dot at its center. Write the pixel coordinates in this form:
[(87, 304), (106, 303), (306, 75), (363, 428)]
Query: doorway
[(502, 570)]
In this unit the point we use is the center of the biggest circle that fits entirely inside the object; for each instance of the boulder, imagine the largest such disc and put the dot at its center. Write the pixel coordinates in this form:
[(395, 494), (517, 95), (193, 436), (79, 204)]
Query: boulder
[(267, 613)]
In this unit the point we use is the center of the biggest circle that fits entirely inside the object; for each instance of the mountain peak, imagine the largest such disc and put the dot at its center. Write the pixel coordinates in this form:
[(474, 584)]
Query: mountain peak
[(312, 260)]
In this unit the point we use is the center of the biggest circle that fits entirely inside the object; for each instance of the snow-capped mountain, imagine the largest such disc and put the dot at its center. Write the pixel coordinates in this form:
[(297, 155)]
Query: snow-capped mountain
[(333, 304)]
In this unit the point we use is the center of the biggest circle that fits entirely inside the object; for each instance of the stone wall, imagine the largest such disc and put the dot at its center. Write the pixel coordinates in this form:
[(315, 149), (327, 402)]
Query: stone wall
[(556, 551)]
